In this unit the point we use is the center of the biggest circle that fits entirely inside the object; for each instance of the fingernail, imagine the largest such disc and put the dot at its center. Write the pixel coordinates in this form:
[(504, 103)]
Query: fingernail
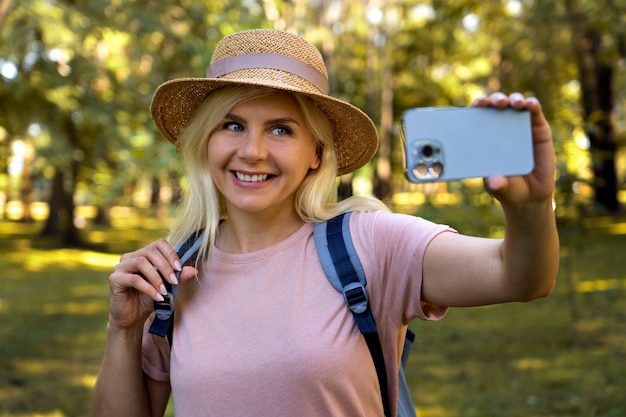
[(173, 279), (478, 99), (159, 297), (177, 265), (163, 289)]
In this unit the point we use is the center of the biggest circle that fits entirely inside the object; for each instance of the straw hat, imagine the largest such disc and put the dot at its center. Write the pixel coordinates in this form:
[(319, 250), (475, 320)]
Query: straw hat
[(276, 59)]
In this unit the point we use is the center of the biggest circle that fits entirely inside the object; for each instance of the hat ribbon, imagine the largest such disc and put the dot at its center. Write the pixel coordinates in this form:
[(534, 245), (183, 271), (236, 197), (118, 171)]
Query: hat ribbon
[(270, 61)]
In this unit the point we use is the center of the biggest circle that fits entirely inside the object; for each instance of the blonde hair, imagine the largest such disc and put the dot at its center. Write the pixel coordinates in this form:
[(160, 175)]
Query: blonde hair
[(202, 205)]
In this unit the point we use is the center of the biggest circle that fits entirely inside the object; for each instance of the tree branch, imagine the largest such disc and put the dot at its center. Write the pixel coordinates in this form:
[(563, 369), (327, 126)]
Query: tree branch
[(5, 5)]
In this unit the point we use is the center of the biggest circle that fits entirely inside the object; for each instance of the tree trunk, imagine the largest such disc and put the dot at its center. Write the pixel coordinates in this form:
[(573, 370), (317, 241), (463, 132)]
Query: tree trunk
[(60, 222), (596, 79), (345, 189), (102, 216), (383, 163), (26, 188), (176, 187)]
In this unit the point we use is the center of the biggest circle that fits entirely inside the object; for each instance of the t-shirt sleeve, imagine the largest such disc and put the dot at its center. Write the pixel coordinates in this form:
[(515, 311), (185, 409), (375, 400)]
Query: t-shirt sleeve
[(393, 247), (155, 354)]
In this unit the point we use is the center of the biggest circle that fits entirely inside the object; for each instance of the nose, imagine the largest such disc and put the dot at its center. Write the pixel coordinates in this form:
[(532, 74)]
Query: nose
[(253, 147)]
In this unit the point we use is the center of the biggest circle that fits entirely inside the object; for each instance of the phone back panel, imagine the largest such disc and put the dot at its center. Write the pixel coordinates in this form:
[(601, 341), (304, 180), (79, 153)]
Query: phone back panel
[(467, 142)]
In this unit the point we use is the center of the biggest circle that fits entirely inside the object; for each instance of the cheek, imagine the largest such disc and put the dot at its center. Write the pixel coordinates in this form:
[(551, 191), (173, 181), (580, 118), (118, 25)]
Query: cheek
[(215, 165), (215, 153), (212, 145), (211, 155)]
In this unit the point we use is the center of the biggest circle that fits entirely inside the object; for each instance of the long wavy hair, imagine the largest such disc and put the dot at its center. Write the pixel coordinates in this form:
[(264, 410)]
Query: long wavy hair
[(202, 205)]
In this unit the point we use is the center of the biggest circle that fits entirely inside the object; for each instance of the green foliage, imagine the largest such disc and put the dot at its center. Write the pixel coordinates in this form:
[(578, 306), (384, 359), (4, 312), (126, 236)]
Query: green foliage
[(92, 66), (87, 70)]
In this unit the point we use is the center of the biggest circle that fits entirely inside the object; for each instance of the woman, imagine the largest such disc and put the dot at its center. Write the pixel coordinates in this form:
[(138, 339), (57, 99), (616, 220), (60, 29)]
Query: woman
[(260, 331)]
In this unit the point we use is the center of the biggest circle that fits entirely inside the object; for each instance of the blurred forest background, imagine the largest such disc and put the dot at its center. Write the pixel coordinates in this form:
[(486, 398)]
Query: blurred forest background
[(84, 176), (76, 79)]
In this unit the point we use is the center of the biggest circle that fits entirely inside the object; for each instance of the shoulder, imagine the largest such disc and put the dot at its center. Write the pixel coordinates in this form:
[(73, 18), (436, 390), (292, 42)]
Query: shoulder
[(381, 223), (386, 234)]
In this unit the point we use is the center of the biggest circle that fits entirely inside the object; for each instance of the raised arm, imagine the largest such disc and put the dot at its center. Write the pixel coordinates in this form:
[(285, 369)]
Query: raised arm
[(467, 271), (122, 389)]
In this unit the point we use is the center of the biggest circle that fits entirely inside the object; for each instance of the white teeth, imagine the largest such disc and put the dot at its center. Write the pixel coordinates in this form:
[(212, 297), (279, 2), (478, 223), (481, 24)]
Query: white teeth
[(251, 178)]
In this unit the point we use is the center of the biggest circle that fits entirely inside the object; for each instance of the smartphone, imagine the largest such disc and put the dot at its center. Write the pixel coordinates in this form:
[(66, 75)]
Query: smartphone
[(453, 143)]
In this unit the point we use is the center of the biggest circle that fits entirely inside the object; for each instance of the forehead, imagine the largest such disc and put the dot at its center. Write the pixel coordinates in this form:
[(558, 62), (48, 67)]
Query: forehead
[(270, 101)]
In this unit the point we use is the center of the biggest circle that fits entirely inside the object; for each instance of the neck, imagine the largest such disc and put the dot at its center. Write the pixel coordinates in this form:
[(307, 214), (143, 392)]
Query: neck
[(243, 234)]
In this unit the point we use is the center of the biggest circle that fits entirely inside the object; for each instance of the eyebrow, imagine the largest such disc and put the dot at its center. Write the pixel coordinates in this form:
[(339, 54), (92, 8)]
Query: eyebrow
[(283, 120), (277, 121), (234, 117)]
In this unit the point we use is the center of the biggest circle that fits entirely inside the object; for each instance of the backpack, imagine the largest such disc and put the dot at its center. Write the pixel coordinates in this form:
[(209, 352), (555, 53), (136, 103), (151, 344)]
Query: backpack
[(344, 271)]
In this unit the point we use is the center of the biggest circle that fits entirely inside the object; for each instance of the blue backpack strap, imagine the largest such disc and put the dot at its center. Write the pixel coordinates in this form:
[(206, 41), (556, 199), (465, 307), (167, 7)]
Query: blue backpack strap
[(163, 323), (345, 272), (341, 263), (406, 407)]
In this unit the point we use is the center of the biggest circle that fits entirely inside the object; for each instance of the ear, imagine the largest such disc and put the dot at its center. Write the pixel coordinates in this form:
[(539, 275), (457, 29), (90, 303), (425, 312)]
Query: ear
[(317, 159)]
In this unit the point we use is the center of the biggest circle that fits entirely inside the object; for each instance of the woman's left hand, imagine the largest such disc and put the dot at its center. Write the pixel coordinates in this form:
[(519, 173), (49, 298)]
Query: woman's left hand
[(539, 184), (469, 271)]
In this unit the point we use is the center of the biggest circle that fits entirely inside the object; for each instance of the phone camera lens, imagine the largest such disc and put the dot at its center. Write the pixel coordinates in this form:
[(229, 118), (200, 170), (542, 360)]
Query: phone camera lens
[(437, 169), (420, 170), (427, 151)]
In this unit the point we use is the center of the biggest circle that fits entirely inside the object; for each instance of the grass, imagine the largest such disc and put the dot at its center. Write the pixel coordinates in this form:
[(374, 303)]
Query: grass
[(53, 310), (564, 355)]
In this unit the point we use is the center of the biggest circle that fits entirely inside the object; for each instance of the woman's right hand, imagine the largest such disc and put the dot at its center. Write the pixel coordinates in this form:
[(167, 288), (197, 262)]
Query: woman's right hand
[(136, 283)]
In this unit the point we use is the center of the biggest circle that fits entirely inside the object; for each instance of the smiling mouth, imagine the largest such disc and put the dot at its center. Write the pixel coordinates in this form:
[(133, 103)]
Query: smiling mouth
[(251, 178)]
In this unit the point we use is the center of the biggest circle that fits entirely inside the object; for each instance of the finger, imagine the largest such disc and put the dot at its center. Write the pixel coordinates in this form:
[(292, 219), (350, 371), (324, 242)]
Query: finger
[(518, 101), (139, 283), (121, 281), (166, 261), (495, 184), (541, 128), (163, 257), (536, 110), (141, 268), (187, 273), (498, 100), (480, 102)]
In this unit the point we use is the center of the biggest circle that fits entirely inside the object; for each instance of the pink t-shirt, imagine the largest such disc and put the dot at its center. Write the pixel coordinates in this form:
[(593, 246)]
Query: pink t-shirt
[(266, 334)]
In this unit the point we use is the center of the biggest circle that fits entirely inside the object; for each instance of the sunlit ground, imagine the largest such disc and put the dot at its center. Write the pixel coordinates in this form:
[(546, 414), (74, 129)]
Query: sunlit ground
[(559, 356), (54, 309)]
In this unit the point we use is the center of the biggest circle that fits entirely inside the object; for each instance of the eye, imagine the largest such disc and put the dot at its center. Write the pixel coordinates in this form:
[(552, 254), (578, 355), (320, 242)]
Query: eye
[(233, 126), (282, 131)]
